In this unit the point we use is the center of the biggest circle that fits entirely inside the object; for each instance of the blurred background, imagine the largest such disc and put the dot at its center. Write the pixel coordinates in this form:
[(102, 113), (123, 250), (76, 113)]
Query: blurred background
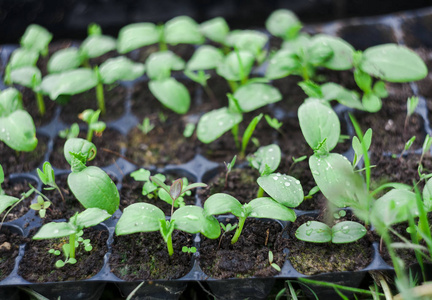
[(69, 18)]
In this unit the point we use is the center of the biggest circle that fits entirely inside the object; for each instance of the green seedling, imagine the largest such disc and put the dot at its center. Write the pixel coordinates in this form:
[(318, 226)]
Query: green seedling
[(341, 233), (146, 126), (226, 228), (296, 161), (247, 98), (235, 68), (69, 133), (144, 217), (95, 126), (72, 229), (180, 201), (264, 207), (179, 30), (166, 89), (41, 206), (96, 44), (229, 166), (339, 214), (162, 117), (425, 149), (150, 189), (178, 188), (407, 146), (75, 81), (17, 129), (92, 187), (47, 176), (191, 250), (251, 41), (273, 122), (272, 264), (412, 103)]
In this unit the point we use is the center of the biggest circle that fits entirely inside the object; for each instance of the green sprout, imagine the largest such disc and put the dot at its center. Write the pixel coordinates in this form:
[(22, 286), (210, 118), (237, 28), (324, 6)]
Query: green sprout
[(72, 229), (47, 176), (191, 250), (229, 166), (95, 126), (146, 126), (272, 264), (41, 206), (412, 103), (71, 132)]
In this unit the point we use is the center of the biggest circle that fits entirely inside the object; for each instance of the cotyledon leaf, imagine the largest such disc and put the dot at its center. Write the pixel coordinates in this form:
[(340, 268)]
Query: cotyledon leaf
[(284, 189)]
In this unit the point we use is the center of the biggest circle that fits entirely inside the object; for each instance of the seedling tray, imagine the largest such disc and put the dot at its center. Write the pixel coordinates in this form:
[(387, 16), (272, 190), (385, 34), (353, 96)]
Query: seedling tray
[(403, 28)]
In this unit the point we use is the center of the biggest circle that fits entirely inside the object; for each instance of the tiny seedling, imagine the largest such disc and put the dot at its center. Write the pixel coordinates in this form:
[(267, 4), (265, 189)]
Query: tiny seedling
[(73, 229), (92, 187), (150, 189), (41, 206), (95, 126), (71, 132), (273, 122), (412, 103), (189, 130), (407, 146), (146, 126), (191, 250), (272, 264), (296, 161), (226, 228), (47, 176), (264, 207), (228, 167), (341, 233), (340, 214)]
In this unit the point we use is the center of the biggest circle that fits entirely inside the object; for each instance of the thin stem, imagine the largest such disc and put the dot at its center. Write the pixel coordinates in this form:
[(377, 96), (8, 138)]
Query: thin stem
[(239, 230), (40, 103), (233, 85), (89, 134), (399, 272), (170, 246), (100, 97), (260, 192), (72, 238), (235, 131)]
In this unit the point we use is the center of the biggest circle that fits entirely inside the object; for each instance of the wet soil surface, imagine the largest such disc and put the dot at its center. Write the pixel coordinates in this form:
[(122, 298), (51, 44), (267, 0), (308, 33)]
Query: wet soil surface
[(144, 256), (249, 256), (9, 246), (38, 265)]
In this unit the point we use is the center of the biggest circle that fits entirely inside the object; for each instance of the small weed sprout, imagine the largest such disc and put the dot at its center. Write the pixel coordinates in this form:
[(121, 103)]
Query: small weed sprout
[(407, 146), (146, 126), (228, 167), (272, 264), (47, 176), (191, 250), (226, 228), (150, 189), (412, 103), (189, 130), (41, 206), (71, 132), (273, 122)]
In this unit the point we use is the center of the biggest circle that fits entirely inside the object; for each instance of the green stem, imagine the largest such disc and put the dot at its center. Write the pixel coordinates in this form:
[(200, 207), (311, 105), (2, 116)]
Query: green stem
[(233, 85), (72, 245), (234, 132), (239, 230), (100, 97), (260, 192), (40, 103), (399, 272), (170, 246), (89, 134)]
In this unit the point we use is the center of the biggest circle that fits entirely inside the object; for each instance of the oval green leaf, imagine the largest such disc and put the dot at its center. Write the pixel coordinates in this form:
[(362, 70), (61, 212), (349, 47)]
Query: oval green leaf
[(64, 60), (97, 45), (230, 67), (319, 122), (215, 29), (182, 30), (120, 68), (215, 123), (347, 232), (393, 63), (342, 52), (314, 232), (137, 35), (171, 93), (220, 203), (205, 58), (139, 217), (91, 217), (191, 219), (18, 131), (283, 188), (255, 95), (54, 230), (266, 207)]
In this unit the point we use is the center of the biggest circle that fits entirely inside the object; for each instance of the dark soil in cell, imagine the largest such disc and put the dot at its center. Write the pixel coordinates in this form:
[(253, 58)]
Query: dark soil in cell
[(115, 97), (109, 146), (248, 256), (38, 265), (241, 185), (18, 162), (131, 192), (311, 258), (144, 256), (30, 105), (9, 246), (15, 189)]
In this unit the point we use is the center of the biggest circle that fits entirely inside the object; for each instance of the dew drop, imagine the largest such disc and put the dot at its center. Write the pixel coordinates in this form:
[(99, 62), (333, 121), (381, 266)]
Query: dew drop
[(315, 172), (220, 123), (56, 231), (270, 150), (287, 184), (275, 177), (309, 232), (297, 182)]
